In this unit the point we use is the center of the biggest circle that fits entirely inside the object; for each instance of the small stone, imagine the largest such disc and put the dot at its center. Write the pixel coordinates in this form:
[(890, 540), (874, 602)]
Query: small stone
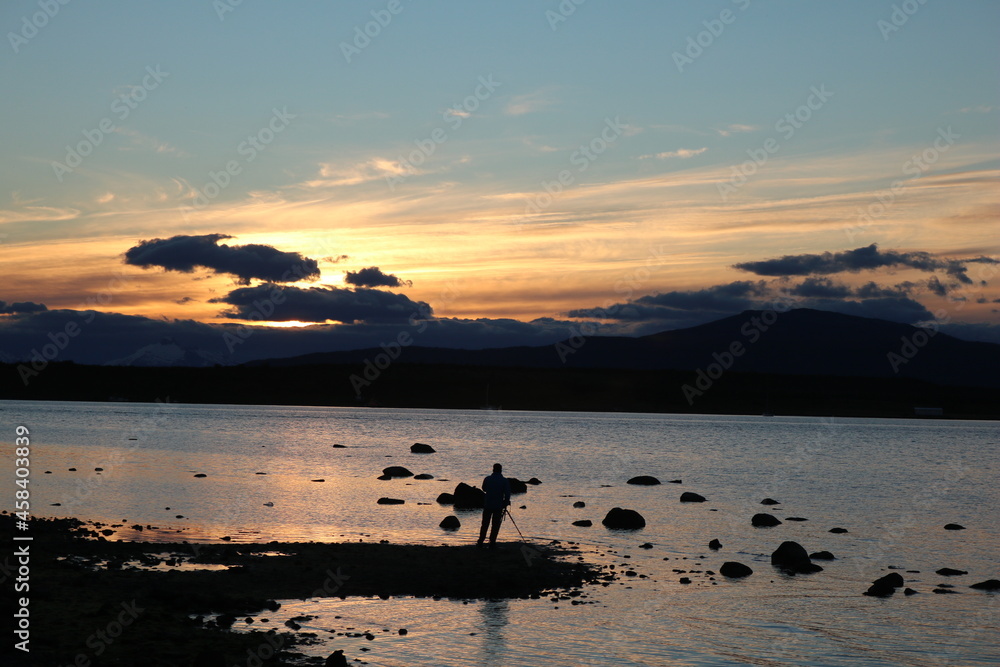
[(735, 570), (769, 501), (909, 591), (201, 474), (446, 498), (954, 526), (949, 572), (317, 480), (691, 497), (583, 523), (423, 476), (450, 523), (838, 531), (390, 501), (646, 545), (684, 580), (534, 481), (397, 471), (579, 504), (715, 545), (421, 448), (644, 480), (763, 520), (822, 555)]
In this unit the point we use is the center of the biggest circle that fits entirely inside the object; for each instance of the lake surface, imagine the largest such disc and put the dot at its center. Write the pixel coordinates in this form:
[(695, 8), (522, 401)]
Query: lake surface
[(893, 484)]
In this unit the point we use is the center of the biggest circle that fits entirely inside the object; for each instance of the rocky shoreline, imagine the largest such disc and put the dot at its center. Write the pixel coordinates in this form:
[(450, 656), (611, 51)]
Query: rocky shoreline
[(179, 600)]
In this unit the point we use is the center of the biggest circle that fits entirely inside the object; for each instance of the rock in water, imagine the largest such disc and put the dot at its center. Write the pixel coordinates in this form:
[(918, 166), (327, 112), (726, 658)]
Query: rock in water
[(769, 501), (517, 486), (421, 448), (534, 481), (793, 558), (446, 499), (336, 659), (715, 545), (623, 519), (397, 471), (765, 521), (954, 526), (822, 555), (735, 570), (423, 476), (583, 523), (578, 504), (644, 480), (988, 585), (949, 572), (838, 531), (390, 501), (690, 497), (468, 497), (885, 586), (450, 523)]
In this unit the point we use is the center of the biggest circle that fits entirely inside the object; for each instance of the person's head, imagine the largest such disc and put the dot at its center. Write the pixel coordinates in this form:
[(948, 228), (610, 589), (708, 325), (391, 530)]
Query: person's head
[(497, 468)]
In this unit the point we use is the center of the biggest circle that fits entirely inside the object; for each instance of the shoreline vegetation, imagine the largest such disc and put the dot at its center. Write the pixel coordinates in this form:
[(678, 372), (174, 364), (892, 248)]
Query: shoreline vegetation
[(442, 386), (95, 601)]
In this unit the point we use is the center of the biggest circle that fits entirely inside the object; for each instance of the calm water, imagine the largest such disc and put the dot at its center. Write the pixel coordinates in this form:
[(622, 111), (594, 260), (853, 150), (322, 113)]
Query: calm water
[(892, 484)]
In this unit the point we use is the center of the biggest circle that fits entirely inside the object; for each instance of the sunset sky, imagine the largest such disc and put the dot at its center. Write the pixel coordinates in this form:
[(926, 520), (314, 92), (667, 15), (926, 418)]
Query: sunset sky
[(513, 169)]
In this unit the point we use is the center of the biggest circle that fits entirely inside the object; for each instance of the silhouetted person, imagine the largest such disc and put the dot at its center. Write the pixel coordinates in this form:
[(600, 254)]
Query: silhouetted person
[(497, 490)]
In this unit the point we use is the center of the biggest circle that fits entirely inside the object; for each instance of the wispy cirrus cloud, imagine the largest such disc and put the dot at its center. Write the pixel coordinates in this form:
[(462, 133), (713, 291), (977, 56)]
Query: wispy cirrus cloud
[(519, 105), (682, 153)]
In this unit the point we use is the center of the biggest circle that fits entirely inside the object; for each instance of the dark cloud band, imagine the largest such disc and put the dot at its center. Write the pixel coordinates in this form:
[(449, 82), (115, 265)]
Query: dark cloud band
[(185, 253)]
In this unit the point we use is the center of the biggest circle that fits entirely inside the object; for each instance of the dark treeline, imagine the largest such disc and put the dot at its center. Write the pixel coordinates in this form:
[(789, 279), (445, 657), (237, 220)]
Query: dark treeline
[(455, 386)]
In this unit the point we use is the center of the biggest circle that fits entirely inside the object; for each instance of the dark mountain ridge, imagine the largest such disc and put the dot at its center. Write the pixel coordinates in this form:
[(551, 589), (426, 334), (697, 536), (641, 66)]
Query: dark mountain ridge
[(797, 342)]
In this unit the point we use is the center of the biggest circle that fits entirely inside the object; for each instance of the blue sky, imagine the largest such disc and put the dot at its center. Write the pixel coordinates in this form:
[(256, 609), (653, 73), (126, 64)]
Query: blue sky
[(336, 179)]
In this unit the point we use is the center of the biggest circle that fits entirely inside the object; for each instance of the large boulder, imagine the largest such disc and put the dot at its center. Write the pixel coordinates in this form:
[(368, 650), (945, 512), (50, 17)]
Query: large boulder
[(623, 519), (763, 520), (396, 471), (421, 448), (691, 497), (793, 559), (644, 480), (735, 570), (988, 585), (517, 486), (450, 523), (468, 497)]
